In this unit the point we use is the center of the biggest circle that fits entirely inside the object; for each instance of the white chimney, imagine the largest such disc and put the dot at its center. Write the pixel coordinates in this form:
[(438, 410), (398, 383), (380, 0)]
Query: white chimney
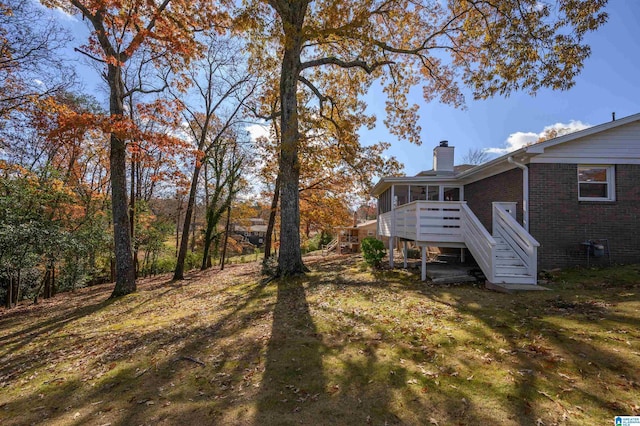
[(443, 158)]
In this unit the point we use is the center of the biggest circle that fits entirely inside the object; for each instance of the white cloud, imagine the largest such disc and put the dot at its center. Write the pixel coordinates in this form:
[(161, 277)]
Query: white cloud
[(258, 130), (518, 140)]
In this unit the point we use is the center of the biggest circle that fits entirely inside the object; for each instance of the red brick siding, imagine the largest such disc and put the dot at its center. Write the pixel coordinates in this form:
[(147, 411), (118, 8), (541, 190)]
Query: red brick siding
[(505, 186), (560, 222)]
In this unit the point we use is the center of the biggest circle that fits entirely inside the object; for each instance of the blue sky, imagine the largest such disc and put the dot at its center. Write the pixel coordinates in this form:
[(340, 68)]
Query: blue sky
[(610, 81)]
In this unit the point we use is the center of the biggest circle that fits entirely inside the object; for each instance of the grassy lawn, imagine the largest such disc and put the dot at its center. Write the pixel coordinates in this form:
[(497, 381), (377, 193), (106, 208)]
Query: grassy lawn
[(341, 345)]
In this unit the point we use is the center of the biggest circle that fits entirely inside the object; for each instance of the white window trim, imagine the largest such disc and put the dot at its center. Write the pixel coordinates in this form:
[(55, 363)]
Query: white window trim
[(611, 182), (442, 187)]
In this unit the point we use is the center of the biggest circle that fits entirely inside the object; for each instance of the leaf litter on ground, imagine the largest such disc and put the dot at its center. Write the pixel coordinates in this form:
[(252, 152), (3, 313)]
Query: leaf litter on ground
[(342, 345)]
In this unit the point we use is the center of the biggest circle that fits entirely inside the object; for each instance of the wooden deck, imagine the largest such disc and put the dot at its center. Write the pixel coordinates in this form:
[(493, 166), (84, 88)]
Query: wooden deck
[(508, 256)]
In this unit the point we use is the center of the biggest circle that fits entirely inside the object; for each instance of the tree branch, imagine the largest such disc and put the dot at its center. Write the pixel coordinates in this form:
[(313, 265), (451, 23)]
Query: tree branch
[(95, 58), (332, 60)]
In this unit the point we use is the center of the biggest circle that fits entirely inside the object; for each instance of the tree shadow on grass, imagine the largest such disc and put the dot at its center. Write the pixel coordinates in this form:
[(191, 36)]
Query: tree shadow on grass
[(329, 348), (192, 372), (14, 342), (293, 380), (557, 373), (490, 357), (364, 360)]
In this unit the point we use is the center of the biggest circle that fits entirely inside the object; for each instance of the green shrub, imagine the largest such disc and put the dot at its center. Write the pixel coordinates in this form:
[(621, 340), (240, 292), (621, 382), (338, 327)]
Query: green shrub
[(373, 251), (193, 260)]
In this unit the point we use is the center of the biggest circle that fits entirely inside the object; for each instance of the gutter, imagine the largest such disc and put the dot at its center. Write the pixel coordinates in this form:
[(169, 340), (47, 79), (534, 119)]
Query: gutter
[(525, 191)]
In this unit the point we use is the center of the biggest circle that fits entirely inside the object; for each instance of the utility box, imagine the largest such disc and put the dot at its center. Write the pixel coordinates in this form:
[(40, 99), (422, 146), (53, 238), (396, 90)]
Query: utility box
[(597, 250)]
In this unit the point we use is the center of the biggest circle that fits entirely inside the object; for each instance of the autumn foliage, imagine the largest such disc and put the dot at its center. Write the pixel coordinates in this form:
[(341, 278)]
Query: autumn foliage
[(180, 97)]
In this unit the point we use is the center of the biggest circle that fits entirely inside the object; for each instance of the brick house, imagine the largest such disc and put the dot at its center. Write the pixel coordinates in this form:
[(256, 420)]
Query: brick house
[(565, 201)]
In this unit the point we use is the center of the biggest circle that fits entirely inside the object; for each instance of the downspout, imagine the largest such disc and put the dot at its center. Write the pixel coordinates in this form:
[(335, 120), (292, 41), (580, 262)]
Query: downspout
[(525, 191)]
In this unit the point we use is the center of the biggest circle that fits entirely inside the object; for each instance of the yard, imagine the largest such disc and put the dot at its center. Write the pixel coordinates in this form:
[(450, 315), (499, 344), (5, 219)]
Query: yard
[(342, 345)]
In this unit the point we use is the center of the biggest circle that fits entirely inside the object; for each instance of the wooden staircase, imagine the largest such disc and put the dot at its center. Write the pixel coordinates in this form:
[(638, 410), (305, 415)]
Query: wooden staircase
[(508, 257), (326, 248), (509, 267)]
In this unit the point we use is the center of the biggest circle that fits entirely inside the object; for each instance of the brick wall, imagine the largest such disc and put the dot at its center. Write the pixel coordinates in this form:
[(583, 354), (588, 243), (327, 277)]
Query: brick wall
[(560, 222), (505, 186)]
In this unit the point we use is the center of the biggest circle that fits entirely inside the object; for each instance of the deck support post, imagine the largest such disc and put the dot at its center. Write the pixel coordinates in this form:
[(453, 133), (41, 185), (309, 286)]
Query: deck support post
[(391, 244), (462, 252), (423, 269), (405, 254)]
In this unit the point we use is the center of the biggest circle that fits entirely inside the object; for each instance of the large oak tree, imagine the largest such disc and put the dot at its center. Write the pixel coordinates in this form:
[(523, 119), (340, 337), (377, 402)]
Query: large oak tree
[(492, 47)]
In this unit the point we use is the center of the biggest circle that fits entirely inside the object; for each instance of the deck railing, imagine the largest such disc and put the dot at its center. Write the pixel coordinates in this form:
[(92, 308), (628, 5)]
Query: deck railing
[(385, 224), (442, 222), (437, 221), (479, 242), (524, 245)]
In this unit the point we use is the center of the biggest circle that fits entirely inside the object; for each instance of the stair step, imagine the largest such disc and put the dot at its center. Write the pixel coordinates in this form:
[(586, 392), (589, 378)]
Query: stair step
[(515, 279), (511, 270), (507, 255), (510, 262)]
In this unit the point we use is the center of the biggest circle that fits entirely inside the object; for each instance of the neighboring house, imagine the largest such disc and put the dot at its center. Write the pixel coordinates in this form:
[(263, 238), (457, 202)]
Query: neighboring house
[(254, 233), (349, 238), (537, 207)]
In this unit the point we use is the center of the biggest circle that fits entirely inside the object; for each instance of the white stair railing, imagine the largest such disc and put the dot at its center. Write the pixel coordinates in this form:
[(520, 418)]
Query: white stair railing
[(479, 242), (326, 248), (522, 243)]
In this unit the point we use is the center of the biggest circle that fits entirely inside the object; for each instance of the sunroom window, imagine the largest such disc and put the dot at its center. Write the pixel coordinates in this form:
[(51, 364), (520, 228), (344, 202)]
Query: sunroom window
[(596, 183)]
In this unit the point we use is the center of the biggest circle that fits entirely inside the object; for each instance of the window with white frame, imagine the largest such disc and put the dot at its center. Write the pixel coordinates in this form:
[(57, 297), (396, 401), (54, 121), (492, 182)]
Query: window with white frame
[(596, 183)]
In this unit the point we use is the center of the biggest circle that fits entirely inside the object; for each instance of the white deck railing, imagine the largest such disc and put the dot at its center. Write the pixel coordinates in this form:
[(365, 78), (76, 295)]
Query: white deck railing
[(451, 223), (479, 242), (522, 243), (385, 224), (435, 221)]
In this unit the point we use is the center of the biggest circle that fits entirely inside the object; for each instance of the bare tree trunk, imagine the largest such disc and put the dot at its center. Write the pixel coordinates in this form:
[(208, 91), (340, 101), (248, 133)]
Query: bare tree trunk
[(16, 289), (208, 238), (132, 212), (179, 216), (46, 281), (213, 217), (54, 289), (290, 258), (226, 238), (125, 272), (193, 228), (178, 273), (272, 220), (9, 296), (206, 257)]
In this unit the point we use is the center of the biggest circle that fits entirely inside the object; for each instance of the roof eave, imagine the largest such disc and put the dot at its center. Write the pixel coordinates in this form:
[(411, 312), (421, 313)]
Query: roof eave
[(387, 181), (523, 155)]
